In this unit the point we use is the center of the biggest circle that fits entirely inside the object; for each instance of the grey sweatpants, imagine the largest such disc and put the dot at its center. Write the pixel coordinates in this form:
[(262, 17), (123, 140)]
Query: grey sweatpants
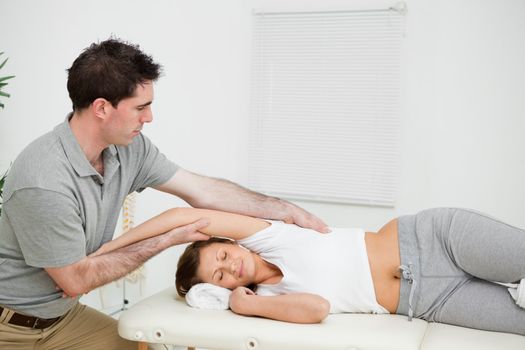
[(453, 256)]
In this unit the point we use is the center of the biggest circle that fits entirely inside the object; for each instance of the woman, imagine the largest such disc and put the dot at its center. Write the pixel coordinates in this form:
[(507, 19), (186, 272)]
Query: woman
[(435, 265)]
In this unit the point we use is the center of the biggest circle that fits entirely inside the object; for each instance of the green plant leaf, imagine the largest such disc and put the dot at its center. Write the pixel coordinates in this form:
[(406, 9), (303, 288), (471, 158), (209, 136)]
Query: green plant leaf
[(3, 63), (7, 78), (2, 93), (4, 175)]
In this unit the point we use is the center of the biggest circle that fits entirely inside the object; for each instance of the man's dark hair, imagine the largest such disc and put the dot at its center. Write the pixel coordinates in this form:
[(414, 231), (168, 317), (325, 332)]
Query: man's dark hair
[(110, 69)]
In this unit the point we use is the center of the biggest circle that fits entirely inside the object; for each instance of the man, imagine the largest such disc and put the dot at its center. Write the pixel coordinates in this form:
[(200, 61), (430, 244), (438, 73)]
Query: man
[(62, 199)]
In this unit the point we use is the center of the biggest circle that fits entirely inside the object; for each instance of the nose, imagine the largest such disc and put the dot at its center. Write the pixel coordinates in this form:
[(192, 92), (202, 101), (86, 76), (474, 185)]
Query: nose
[(232, 266), (147, 116)]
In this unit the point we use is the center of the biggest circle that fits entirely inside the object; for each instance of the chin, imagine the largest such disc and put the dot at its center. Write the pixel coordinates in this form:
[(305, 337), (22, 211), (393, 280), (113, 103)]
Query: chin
[(125, 142)]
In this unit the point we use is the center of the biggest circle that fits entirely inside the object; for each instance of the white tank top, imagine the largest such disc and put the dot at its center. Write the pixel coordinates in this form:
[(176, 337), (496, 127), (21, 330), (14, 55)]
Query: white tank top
[(334, 265)]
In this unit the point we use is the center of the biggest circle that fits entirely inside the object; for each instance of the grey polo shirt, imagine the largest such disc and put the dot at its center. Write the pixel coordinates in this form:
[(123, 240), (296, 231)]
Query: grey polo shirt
[(57, 209)]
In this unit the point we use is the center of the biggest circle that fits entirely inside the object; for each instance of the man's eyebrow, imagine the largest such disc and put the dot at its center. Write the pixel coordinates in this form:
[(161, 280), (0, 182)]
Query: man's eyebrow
[(145, 104)]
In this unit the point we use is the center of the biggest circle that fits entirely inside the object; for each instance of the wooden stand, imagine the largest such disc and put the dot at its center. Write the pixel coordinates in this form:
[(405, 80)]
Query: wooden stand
[(144, 346)]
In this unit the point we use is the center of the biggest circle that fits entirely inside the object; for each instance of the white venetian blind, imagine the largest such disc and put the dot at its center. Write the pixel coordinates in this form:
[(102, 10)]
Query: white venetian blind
[(325, 105)]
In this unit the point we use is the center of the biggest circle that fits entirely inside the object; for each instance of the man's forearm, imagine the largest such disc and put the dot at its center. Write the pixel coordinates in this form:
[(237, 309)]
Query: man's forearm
[(93, 272), (109, 267), (98, 269), (212, 193), (228, 196)]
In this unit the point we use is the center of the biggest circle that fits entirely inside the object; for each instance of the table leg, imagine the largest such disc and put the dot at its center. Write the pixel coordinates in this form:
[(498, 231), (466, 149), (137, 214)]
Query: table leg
[(144, 346)]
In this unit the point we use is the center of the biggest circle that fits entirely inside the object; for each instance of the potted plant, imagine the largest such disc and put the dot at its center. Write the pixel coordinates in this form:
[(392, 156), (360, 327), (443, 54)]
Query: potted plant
[(3, 84), (3, 81)]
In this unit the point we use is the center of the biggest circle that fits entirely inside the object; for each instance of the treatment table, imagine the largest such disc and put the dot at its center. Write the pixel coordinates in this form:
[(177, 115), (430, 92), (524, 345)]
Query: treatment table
[(165, 318)]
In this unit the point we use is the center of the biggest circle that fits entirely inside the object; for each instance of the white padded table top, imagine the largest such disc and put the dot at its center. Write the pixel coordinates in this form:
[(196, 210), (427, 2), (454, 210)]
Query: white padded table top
[(440, 336), (165, 318)]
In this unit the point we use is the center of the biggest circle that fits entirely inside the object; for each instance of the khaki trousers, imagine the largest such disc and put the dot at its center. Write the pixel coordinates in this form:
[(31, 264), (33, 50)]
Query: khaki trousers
[(82, 328)]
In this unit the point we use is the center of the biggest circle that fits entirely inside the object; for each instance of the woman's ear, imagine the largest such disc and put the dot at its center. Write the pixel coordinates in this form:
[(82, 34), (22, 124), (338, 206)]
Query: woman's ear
[(100, 108)]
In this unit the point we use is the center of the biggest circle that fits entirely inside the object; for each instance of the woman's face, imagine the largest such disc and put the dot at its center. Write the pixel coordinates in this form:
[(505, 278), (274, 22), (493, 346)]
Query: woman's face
[(226, 265)]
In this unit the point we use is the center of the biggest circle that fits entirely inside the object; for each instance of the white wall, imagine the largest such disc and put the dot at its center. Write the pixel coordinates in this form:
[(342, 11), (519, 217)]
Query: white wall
[(200, 102), (463, 102)]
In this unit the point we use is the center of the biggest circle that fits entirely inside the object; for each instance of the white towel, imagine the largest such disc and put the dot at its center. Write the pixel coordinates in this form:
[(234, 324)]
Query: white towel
[(517, 291), (208, 296)]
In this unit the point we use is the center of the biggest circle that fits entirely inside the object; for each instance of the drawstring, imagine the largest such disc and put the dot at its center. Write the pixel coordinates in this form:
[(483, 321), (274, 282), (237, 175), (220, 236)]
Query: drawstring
[(409, 276)]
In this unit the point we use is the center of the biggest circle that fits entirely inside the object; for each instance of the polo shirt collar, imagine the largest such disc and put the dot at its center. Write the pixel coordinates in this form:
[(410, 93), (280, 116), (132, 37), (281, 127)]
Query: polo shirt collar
[(76, 156)]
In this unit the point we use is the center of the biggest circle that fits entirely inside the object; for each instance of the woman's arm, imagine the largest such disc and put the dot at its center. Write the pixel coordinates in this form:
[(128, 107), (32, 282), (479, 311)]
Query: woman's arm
[(297, 307), (223, 224)]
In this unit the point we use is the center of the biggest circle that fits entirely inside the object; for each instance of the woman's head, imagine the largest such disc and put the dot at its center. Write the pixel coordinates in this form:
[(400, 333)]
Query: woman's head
[(219, 261)]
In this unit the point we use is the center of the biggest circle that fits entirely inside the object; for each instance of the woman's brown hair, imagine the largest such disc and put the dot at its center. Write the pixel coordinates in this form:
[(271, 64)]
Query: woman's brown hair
[(186, 276)]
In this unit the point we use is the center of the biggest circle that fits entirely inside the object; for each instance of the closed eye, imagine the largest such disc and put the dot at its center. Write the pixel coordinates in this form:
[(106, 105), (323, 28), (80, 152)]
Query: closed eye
[(143, 106)]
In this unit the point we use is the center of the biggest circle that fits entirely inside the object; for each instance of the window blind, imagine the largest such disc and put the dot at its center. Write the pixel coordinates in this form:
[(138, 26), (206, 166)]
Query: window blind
[(325, 105)]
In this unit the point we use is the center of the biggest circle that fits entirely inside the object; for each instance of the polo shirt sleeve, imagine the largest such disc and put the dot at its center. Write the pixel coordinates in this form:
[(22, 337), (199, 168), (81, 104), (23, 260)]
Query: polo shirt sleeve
[(155, 168), (48, 227)]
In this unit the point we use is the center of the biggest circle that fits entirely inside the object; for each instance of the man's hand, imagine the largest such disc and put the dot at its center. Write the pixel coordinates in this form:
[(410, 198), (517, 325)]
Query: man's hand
[(188, 233), (300, 217)]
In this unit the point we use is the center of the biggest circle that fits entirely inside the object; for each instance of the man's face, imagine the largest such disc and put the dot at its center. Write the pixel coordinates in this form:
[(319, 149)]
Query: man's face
[(127, 119)]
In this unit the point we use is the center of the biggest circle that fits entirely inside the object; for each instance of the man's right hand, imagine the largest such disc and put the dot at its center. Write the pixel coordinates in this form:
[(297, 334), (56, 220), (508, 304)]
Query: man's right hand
[(188, 233)]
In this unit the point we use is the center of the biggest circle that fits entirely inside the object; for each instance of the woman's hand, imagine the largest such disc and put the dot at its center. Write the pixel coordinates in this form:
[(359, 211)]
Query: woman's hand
[(240, 299)]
